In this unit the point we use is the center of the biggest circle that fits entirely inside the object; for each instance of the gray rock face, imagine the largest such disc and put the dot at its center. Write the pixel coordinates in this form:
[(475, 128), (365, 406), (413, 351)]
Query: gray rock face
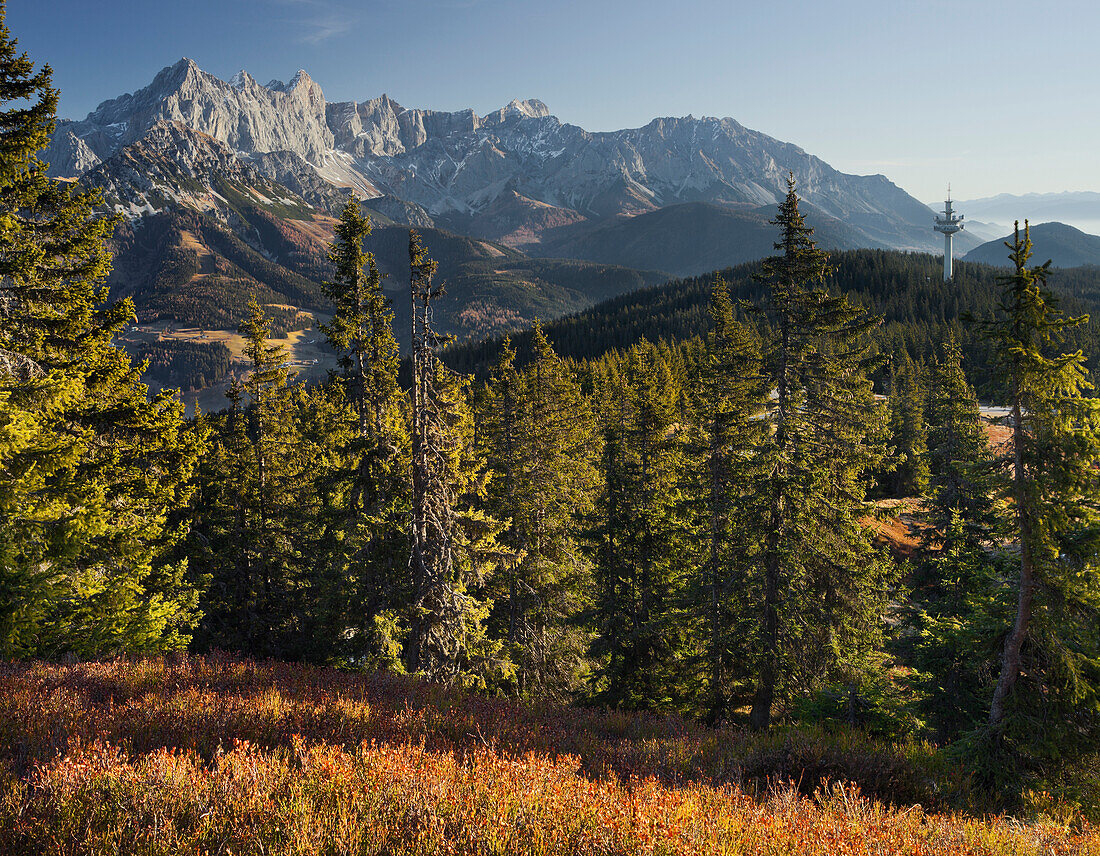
[(401, 212), (68, 155), (457, 165), (298, 175), (242, 114), (174, 163)]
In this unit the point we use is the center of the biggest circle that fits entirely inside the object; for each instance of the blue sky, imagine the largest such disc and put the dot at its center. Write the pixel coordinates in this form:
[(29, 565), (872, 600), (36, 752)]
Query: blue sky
[(991, 96)]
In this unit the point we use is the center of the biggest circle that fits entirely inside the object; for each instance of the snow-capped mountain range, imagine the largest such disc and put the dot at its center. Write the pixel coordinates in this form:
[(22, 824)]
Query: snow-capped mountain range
[(511, 175)]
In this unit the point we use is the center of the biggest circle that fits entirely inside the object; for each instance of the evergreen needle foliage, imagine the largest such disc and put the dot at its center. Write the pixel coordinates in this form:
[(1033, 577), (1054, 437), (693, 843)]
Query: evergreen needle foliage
[(819, 585), (367, 498), (540, 438), (454, 543), (1050, 664), (91, 468), (678, 527)]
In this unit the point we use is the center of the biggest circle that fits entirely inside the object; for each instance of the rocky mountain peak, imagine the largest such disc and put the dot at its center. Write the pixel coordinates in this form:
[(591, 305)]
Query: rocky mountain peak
[(243, 80), (532, 108), (181, 68), (301, 78), (306, 88), (184, 73), (240, 113)]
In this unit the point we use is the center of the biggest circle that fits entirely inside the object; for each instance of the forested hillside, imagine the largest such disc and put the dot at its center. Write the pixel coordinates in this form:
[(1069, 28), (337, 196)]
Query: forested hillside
[(907, 289), (689, 238), (187, 267), (742, 502)]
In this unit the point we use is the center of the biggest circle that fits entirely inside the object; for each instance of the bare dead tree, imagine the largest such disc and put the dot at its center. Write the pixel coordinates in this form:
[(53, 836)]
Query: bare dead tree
[(438, 629)]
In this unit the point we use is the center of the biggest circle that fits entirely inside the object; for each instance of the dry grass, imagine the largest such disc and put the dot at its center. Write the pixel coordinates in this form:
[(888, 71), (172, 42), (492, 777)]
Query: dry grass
[(900, 528), (225, 756), (317, 231), (999, 437)]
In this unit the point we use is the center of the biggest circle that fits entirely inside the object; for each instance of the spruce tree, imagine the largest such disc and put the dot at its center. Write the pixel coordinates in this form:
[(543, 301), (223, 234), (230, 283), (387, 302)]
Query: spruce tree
[(958, 603), (959, 500), (641, 539), (364, 545), (1051, 655), (454, 542), (271, 440), (955, 617), (361, 329), (541, 440), (250, 523), (821, 587), (93, 469), (908, 429), (730, 402)]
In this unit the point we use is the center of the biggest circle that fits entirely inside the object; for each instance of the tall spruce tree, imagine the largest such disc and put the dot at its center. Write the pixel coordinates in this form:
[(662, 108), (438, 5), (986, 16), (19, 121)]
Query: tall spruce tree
[(641, 540), (958, 603), (361, 329), (730, 401), (454, 543), (955, 617), (256, 499), (821, 586), (908, 429), (959, 501), (92, 469), (1050, 663), (541, 440), (364, 544)]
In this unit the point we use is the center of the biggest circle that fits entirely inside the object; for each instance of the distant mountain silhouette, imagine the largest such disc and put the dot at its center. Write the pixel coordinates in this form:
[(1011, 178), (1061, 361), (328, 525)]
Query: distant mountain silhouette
[(690, 238), (1064, 245)]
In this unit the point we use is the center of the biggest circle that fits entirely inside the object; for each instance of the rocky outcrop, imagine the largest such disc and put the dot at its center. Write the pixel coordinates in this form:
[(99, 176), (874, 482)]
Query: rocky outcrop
[(241, 113), (402, 212), (299, 176), (69, 155), (173, 163)]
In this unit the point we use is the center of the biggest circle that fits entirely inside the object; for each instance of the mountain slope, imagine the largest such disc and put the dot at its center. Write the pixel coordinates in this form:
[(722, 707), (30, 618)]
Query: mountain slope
[(206, 228), (1064, 245), (510, 175), (688, 238), (491, 287)]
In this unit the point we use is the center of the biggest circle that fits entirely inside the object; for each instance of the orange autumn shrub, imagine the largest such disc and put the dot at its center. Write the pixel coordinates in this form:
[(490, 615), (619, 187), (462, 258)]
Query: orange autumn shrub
[(226, 756), (204, 703)]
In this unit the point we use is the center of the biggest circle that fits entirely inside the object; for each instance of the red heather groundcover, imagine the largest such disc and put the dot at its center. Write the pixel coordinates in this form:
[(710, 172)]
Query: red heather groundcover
[(220, 755)]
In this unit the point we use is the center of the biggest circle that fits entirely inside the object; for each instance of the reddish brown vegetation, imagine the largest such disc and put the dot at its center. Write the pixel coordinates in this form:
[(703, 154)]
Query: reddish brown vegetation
[(227, 756)]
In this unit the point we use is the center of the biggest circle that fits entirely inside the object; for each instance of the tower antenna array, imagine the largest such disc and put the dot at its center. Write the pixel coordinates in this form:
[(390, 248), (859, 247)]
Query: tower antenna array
[(949, 223)]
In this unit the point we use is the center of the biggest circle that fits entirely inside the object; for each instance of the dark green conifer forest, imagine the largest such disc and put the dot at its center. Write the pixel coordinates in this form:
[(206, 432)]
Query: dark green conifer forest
[(669, 503)]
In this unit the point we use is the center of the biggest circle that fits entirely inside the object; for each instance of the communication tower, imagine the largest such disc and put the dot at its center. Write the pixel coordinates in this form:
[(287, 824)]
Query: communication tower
[(948, 224)]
